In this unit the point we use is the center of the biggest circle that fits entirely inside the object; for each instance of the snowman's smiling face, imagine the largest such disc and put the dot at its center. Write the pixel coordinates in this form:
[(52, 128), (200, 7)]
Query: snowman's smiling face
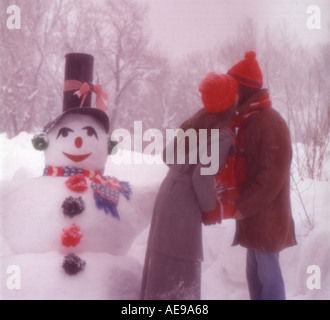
[(77, 140)]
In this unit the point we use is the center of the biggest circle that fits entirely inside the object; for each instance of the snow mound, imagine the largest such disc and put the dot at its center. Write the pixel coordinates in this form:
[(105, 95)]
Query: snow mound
[(111, 274), (105, 277)]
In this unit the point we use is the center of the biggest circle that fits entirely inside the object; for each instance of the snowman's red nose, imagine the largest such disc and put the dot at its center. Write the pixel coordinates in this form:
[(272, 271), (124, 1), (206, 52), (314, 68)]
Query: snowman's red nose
[(78, 142)]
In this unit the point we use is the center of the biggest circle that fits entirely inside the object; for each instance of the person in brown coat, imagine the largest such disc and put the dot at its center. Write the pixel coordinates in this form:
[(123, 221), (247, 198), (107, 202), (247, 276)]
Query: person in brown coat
[(264, 222), (186, 198)]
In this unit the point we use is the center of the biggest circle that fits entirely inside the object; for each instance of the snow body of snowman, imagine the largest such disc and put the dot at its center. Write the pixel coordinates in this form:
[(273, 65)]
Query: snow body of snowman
[(71, 229)]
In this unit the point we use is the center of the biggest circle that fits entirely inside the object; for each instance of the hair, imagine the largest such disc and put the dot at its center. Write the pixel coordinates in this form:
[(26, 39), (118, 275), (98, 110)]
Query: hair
[(203, 119), (246, 92)]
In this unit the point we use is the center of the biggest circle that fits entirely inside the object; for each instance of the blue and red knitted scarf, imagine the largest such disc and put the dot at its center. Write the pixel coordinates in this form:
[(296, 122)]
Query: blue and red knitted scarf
[(106, 189)]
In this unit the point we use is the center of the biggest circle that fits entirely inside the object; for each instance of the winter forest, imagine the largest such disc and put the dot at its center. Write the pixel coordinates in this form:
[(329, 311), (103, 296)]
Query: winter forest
[(144, 82)]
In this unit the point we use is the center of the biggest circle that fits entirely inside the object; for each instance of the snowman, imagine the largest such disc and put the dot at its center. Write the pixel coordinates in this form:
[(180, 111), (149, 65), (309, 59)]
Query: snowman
[(73, 226)]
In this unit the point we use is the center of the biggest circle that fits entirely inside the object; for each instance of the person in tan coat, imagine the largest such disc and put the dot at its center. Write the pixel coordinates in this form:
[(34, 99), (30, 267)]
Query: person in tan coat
[(186, 199), (264, 223)]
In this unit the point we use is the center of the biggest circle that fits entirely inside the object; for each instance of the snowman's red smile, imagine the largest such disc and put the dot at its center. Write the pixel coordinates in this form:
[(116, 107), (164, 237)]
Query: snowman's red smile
[(77, 158)]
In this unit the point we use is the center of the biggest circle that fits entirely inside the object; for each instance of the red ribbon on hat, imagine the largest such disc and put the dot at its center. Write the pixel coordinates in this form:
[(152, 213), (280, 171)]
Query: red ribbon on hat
[(83, 89)]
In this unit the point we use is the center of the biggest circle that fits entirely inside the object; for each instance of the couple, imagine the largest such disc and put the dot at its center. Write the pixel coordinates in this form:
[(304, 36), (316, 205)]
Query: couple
[(258, 139)]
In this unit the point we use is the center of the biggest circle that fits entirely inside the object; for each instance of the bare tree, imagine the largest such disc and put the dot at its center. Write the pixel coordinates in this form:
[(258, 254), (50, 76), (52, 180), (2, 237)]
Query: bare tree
[(29, 79), (126, 54), (245, 39), (33, 57)]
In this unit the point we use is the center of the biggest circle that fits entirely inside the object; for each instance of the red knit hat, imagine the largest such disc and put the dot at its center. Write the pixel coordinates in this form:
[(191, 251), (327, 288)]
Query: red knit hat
[(218, 92), (247, 71)]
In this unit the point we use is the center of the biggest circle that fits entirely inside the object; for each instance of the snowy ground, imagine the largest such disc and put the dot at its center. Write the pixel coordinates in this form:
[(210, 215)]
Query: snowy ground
[(117, 277)]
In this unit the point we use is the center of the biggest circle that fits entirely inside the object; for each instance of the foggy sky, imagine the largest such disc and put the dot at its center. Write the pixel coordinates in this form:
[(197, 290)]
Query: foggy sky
[(182, 26)]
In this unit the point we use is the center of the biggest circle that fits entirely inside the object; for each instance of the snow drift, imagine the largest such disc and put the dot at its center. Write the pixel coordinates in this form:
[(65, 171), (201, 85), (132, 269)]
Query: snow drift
[(116, 274)]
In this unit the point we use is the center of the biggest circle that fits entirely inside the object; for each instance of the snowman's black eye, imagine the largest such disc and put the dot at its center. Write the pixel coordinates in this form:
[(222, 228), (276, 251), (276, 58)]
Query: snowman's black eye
[(91, 131), (64, 132)]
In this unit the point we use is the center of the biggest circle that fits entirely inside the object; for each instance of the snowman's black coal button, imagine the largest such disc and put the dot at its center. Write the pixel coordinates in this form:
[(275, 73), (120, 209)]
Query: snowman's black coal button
[(73, 206), (72, 264)]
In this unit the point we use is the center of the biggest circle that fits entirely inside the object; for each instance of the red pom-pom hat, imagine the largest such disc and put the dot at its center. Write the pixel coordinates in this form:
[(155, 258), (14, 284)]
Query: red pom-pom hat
[(218, 92), (247, 71)]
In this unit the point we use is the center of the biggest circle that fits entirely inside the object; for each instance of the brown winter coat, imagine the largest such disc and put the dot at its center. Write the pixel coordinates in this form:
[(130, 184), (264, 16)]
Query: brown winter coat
[(265, 203)]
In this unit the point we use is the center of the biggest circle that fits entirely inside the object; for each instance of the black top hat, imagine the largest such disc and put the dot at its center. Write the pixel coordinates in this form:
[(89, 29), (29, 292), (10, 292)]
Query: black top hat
[(79, 67)]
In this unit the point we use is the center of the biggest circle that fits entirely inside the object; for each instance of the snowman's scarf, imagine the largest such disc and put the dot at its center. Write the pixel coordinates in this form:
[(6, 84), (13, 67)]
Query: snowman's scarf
[(106, 189)]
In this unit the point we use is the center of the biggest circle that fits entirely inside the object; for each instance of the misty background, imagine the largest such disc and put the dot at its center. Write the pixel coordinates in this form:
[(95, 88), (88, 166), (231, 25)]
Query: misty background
[(150, 56)]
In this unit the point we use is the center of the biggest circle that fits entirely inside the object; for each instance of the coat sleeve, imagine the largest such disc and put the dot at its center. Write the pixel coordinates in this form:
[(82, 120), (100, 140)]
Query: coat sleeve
[(273, 169), (204, 184)]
